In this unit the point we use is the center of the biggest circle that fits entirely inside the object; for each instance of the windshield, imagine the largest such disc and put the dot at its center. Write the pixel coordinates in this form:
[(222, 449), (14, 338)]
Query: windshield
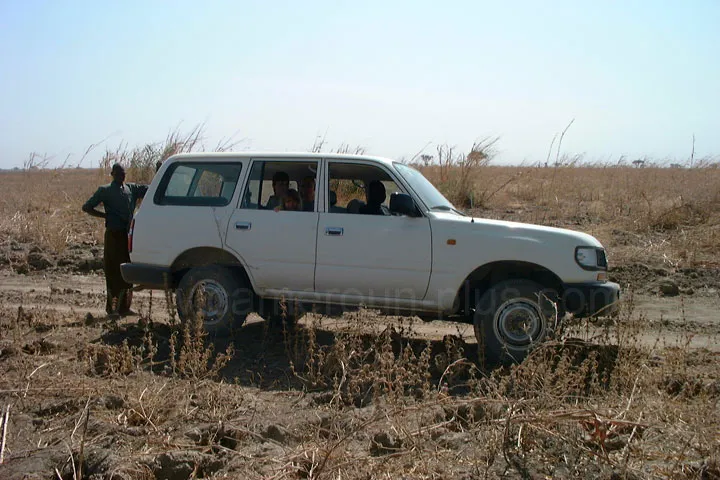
[(422, 186)]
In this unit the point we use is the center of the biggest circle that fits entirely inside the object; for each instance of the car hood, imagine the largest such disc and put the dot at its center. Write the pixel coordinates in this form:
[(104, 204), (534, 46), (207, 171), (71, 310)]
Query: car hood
[(518, 231)]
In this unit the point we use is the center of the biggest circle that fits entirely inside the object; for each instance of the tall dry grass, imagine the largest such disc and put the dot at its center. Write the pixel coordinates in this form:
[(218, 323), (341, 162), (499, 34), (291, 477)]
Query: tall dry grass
[(639, 213), (142, 162), (42, 206)]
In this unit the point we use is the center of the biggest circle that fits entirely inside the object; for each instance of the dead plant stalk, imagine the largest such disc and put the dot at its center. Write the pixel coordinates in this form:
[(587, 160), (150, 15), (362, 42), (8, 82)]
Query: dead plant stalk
[(6, 419)]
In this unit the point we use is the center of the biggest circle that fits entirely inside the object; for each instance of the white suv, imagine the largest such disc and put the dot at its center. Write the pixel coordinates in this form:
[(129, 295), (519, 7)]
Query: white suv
[(373, 232)]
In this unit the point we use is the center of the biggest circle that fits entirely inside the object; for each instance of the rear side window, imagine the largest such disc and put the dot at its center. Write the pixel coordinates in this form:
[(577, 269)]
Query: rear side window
[(286, 185), (201, 184)]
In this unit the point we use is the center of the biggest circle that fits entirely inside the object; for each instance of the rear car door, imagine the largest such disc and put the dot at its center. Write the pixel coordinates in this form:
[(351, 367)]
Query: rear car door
[(277, 244)]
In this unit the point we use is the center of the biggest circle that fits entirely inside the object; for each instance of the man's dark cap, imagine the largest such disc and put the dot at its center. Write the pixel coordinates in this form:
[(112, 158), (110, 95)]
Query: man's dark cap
[(117, 168)]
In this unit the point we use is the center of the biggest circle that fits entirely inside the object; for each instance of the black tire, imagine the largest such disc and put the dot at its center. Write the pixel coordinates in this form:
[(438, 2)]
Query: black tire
[(228, 299), (511, 318)]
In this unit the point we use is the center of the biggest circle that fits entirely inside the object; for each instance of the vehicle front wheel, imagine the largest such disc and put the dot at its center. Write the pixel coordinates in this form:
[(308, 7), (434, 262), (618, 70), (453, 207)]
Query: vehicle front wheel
[(218, 294), (511, 318)]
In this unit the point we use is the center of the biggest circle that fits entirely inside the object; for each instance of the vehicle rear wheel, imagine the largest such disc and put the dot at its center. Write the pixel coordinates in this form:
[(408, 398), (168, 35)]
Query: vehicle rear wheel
[(511, 318), (218, 294)]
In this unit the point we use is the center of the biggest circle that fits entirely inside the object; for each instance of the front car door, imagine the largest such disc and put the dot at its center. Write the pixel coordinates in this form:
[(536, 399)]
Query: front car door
[(273, 233), (365, 254)]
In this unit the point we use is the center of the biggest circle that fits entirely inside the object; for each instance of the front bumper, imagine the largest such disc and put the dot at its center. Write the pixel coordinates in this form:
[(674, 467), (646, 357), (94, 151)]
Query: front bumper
[(148, 276), (591, 299)]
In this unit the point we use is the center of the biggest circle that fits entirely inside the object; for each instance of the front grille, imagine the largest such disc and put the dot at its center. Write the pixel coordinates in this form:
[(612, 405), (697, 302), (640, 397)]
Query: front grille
[(601, 259)]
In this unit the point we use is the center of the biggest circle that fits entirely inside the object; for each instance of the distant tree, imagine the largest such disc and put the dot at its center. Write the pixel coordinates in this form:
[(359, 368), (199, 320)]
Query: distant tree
[(426, 159)]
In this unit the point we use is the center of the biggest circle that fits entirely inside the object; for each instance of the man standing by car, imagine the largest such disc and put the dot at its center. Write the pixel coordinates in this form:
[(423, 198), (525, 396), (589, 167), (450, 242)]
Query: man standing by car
[(118, 199)]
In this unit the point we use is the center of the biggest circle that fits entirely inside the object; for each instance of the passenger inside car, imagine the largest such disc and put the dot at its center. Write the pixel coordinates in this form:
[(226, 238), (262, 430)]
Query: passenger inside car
[(290, 202), (375, 199), (332, 200), (280, 184), (307, 193)]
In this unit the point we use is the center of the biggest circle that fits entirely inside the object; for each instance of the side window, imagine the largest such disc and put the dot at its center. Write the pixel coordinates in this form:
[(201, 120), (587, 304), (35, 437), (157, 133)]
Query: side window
[(210, 184), (180, 180), (288, 186), (359, 189), (199, 184)]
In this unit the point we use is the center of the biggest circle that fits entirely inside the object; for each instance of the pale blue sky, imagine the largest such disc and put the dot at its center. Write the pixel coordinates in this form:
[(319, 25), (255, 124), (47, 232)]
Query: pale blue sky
[(639, 77)]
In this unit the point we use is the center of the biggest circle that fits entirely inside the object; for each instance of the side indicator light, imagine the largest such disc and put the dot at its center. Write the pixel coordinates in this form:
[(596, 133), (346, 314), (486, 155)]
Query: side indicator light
[(451, 241)]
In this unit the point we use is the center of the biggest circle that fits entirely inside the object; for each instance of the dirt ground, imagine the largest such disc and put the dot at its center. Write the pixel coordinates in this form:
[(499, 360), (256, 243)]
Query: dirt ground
[(670, 319), (365, 396), (85, 401)]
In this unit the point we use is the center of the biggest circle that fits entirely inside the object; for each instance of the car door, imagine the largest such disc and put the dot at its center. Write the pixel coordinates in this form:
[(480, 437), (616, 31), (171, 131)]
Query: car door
[(277, 244), (361, 255)]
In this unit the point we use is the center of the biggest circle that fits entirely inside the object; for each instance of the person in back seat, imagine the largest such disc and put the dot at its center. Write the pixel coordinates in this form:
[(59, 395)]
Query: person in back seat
[(307, 194), (332, 203), (280, 184), (290, 202), (375, 198)]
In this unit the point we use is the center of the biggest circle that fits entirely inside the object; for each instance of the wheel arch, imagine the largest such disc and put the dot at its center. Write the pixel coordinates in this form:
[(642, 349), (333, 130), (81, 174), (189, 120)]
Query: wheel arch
[(200, 256), (485, 276)]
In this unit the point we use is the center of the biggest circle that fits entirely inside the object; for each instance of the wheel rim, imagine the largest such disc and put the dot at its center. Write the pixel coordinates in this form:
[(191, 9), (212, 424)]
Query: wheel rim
[(518, 322), (215, 305)]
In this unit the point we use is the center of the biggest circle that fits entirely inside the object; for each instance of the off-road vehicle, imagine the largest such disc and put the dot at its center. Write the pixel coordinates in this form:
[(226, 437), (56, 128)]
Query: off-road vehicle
[(372, 232)]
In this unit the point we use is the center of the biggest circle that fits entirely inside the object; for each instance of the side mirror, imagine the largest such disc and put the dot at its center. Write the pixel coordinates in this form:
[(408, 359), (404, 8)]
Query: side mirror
[(403, 204)]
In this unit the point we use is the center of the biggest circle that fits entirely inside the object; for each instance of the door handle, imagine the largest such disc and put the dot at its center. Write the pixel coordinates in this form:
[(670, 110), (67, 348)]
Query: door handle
[(334, 231), (243, 225)]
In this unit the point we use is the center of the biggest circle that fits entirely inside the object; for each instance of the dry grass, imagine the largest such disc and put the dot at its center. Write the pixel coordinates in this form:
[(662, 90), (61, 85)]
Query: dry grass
[(354, 405), (155, 399), (638, 213), (43, 207)]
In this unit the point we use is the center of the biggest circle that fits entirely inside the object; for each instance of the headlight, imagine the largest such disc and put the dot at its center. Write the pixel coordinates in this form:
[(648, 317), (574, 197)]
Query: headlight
[(591, 258), (586, 257)]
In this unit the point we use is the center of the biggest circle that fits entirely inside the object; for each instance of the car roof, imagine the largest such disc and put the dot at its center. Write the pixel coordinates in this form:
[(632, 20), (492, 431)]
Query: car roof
[(229, 156)]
